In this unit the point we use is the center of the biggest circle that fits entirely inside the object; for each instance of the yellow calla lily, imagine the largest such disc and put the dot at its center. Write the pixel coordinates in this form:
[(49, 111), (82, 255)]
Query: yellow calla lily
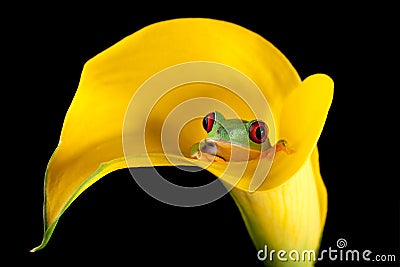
[(118, 119)]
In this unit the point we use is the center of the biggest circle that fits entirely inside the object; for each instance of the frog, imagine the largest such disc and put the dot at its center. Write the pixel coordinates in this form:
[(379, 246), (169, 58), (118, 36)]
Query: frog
[(235, 140)]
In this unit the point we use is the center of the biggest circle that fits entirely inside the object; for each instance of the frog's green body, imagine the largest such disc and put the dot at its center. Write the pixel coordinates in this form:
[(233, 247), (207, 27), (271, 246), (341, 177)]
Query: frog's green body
[(232, 139)]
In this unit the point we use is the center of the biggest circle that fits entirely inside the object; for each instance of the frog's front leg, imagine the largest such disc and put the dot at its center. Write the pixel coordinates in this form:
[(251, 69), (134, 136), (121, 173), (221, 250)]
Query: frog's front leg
[(195, 152), (281, 145)]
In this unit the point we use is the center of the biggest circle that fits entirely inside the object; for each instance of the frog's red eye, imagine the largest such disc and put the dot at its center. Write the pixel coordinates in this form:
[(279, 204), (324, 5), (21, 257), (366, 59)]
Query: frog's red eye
[(208, 121), (258, 132)]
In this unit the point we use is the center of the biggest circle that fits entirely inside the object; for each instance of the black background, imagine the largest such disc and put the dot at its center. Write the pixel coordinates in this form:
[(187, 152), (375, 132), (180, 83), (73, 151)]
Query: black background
[(44, 50)]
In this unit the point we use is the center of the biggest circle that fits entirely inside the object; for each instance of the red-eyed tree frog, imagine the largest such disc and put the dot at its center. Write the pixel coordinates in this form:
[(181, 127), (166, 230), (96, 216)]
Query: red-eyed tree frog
[(235, 140)]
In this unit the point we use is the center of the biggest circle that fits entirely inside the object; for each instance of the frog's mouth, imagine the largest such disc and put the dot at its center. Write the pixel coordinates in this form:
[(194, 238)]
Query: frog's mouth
[(228, 151)]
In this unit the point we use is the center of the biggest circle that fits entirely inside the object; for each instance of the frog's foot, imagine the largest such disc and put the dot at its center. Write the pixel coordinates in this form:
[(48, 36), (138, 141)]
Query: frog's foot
[(281, 145)]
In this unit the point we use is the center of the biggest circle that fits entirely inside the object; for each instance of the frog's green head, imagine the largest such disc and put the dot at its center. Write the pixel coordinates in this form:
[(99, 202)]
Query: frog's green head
[(234, 139)]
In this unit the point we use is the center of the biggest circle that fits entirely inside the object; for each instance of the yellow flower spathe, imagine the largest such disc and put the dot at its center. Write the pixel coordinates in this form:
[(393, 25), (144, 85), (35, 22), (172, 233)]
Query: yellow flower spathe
[(287, 211)]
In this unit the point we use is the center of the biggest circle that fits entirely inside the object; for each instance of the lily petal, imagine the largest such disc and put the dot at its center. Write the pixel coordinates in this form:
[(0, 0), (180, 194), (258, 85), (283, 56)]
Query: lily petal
[(91, 141)]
